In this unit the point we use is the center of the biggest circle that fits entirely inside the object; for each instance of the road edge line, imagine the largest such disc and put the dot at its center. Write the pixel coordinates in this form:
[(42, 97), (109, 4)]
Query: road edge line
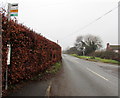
[(48, 89)]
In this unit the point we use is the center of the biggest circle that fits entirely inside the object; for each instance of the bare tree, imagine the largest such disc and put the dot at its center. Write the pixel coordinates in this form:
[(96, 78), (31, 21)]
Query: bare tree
[(93, 40), (88, 43)]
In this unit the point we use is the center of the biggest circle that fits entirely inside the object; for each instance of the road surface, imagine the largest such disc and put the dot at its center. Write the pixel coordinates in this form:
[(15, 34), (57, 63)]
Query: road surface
[(85, 78)]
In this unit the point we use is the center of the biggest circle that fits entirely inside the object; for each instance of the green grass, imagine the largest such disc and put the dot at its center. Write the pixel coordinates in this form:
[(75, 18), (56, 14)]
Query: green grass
[(90, 58), (107, 60), (54, 69), (81, 57)]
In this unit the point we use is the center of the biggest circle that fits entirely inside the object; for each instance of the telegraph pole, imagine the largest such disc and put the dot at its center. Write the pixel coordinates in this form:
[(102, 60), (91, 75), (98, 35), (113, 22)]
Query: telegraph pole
[(57, 41)]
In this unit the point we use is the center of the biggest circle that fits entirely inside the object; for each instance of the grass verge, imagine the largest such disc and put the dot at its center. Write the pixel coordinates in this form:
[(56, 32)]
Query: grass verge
[(52, 70), (97, 59)]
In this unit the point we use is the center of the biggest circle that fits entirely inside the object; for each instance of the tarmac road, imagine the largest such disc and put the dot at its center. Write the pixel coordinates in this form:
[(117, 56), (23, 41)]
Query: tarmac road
[(85, 78)]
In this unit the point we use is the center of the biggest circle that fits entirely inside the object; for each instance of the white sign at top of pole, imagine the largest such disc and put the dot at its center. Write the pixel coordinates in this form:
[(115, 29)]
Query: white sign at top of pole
[(14, 6)]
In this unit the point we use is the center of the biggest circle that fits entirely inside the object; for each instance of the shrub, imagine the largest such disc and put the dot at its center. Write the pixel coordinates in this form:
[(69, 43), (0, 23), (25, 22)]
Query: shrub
[(107, 55)]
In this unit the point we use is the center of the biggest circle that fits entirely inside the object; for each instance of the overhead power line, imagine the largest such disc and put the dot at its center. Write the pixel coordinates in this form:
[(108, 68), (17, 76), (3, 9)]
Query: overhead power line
[(97, 19)]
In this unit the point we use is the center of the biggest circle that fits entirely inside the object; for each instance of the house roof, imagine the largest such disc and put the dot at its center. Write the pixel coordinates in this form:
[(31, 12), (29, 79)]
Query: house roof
[(115, 47)]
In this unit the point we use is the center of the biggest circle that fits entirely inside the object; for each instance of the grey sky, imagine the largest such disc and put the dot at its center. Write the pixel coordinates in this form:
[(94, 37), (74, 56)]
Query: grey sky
[(62, 19)]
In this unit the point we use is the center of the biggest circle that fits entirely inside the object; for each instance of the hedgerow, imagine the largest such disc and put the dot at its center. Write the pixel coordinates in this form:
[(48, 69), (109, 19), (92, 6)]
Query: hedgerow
[(31, 53)]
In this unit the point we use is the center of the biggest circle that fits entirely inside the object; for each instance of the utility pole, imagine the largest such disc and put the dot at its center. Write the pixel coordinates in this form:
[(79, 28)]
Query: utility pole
[(57, 41)]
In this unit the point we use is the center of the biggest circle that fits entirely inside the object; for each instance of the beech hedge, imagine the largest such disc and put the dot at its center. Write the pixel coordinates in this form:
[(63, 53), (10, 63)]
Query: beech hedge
[(31, 53)]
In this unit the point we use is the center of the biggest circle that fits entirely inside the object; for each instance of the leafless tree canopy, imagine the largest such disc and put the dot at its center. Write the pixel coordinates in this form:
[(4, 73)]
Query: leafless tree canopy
[(89, 42), (89, 39)]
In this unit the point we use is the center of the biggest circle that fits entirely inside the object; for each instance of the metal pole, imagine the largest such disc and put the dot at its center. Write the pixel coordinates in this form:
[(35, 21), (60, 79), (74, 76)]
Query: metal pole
[(1, 54), (8, 63), (9, 52), (9, 5), (6, 80)]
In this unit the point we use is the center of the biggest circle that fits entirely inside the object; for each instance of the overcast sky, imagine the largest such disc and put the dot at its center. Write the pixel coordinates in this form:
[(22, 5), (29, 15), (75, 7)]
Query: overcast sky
[(62, 20)]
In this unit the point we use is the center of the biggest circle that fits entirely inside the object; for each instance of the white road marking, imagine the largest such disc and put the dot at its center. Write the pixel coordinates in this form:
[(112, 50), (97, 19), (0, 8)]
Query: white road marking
[(76, 61), (97, 74), (48, 89)]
